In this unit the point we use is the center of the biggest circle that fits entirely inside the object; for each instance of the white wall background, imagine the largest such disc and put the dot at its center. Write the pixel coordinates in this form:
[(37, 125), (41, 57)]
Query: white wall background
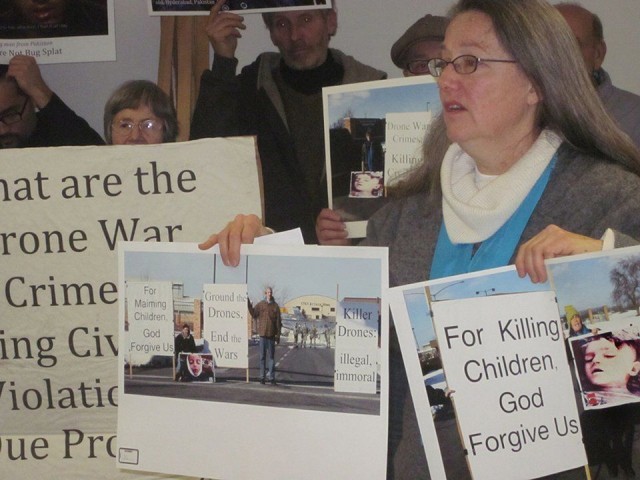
[(366, 30)]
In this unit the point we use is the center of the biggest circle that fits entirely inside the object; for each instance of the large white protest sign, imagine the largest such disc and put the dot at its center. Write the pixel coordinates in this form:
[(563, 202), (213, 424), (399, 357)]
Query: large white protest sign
[(63, 211), (226, 324), (506, 353), (431, 390), (225, 424)]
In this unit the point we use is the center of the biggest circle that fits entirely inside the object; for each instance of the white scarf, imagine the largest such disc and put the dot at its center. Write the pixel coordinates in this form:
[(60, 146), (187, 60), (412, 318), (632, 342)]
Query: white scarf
[(473, 214)]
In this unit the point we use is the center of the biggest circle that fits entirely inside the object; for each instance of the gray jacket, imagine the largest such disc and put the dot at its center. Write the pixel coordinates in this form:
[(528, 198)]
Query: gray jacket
[(585, 195), (623, 106)]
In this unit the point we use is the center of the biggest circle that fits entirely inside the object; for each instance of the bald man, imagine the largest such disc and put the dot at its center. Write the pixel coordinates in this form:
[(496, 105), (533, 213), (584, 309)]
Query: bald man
[(623, 106)]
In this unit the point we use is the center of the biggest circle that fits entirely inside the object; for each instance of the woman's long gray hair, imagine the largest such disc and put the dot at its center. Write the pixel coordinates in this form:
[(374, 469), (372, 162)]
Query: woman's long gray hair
[(537, 36)]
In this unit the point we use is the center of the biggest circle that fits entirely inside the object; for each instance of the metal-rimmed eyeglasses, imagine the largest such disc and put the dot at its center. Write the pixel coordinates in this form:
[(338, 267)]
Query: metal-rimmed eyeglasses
[(419, 66), (124, 128), (12, 117), (463, 64)]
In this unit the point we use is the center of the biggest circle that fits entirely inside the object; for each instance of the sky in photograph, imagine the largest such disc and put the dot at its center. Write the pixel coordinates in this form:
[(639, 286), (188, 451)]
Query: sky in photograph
[(291, 276), (377, 102), (584, 283), (499, 282)]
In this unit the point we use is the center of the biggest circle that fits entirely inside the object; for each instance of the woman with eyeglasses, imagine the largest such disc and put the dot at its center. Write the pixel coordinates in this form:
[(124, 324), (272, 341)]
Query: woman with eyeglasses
[(139, 113), (523, 165)]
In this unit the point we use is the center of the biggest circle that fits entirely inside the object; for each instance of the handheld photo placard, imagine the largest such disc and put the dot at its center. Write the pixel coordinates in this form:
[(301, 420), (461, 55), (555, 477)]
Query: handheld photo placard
[(491, 382), (291, 345), (373, 135)]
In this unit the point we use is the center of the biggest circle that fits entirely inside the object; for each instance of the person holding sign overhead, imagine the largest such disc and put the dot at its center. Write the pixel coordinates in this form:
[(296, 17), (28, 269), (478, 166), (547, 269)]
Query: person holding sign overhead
[(32, 115), (535, 169), (278, 98)]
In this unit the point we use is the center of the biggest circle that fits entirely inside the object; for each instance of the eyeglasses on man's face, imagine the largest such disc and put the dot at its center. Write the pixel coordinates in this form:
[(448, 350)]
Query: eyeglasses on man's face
[(124, 128), (464, 64), (14, 116), (419, 66)]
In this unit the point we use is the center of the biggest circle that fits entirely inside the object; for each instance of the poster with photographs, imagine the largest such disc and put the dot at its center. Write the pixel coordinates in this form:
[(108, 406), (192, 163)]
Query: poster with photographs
[(483, 339), (374, 133), (202, 7), (311, 325), (57, 31), (599, 302)]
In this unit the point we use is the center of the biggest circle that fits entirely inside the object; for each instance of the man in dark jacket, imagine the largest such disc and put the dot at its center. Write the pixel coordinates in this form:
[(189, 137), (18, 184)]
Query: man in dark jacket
[(279, 99), (267, 312), (22, 91)]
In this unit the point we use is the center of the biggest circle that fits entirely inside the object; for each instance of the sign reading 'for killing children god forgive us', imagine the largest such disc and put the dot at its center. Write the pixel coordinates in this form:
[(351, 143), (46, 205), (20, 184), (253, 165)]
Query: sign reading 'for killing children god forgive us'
[(506, 353)]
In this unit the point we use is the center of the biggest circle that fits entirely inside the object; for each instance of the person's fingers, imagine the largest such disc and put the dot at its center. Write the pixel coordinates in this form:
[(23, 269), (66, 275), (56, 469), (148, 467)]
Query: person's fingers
[(209, 242), (330, 229), (551, 242), (216, 9), (242, 229)]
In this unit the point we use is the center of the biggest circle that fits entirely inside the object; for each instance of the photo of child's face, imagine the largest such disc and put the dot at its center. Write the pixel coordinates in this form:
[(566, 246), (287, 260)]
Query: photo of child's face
[(609, 366), (194, 363), (366, 183)]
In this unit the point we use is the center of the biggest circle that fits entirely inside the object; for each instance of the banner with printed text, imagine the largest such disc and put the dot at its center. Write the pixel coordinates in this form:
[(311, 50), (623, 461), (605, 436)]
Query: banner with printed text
[(63, 212)]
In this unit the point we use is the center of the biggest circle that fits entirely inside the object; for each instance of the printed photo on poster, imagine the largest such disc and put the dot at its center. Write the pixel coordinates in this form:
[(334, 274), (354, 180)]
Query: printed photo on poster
[(373, 135), (202, 7), (286, 337), (366, 184), (57, 31), (600, 311), (437, 399), (53, 18), (597, 300), (196, 367), (607, 366)]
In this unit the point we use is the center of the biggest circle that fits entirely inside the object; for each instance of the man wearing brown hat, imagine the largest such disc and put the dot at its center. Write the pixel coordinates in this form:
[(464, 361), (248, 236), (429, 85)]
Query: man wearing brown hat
[(421, 42)]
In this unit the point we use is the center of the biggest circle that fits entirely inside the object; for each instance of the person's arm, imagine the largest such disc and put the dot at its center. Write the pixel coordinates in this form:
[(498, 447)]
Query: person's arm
[(24, 69), (252, 311), (192, 344), (278, 324), (217, 110), (223, 30), (58, 125)]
